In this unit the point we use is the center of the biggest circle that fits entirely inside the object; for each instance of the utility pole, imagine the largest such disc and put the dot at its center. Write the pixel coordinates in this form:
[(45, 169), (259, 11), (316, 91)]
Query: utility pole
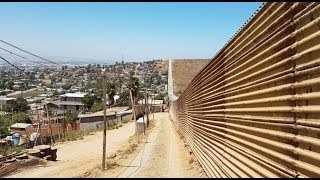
[(35, 142), (40, 135), (104, 123), (148, 109), (133, 110), (65, 123), (58, 126), (144, 111), (49, 123), (154, 102)]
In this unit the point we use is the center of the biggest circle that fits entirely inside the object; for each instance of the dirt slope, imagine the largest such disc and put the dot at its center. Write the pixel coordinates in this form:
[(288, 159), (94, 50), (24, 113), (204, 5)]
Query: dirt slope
[(77, 157)]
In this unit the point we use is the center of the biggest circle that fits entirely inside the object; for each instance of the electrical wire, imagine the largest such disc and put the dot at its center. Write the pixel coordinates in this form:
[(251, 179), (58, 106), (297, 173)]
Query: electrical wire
[(20, 56), (15, 66), (30, 53), (27, 58)]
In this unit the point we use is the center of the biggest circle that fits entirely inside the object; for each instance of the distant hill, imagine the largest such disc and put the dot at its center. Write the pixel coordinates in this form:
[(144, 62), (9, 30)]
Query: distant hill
[(61, 60)]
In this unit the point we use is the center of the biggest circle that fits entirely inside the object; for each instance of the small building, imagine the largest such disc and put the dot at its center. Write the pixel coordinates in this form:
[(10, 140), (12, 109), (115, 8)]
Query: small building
[(6, 100), (32, 100), (94, 121), (71, 100), (20, 126), (155, 105), (6, 91)]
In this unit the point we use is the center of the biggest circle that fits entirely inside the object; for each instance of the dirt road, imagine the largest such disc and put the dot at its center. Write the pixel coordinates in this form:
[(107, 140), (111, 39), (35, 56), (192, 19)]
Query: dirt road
[(162, 155), (77, 157)]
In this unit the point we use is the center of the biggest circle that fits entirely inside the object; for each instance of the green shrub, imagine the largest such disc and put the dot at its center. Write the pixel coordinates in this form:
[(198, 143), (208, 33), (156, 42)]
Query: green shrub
[(97, 106)]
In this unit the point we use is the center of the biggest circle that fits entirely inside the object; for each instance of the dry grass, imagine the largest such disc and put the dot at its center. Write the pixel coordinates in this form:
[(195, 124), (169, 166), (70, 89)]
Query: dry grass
[(130, 149), (191, 160), (112, 165), (179, 134)]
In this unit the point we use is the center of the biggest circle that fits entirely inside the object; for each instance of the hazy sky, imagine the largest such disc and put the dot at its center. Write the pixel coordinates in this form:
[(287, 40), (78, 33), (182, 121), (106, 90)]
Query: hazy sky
[(134, 31)]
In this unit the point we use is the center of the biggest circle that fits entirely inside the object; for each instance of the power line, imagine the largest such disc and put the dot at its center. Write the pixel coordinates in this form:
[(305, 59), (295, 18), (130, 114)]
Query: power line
[(20, 56), (30, 53), (14, 66)]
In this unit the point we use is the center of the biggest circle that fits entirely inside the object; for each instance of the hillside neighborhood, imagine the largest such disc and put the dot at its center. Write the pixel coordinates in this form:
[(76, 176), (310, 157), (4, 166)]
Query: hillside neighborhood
[(62, 100)]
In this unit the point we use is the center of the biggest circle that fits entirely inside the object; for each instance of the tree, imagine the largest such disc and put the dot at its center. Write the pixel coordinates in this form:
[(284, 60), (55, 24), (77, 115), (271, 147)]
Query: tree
[(66, 86), (158, 82), (41, 76), (10, 84), (159, 97), (124, 99), (53, 79), (32, 76), (89, 85), (64, 68), (111, 91), (88, 68), (5, 123), (120, 82), (18, 105), (134, 85), (55, 93), (97, 106), (21, 105), (71, 117), (21, 118), (97, 88), (50, 113), (140, 95), (88, 100), (7, 107)]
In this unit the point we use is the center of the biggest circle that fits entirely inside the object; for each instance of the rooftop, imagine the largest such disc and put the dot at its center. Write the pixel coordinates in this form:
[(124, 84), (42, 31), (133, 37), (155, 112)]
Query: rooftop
[(110, 111), (4, 98), (20, 125), (77, 94), (151, 102), (70, 103)]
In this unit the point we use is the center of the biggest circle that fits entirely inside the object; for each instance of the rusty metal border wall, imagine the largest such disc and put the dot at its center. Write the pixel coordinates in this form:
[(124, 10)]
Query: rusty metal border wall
[(254, 110)]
